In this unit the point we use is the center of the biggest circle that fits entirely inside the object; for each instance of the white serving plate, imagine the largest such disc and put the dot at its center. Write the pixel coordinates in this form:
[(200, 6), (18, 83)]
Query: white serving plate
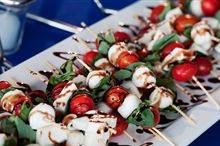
[(180, 132)]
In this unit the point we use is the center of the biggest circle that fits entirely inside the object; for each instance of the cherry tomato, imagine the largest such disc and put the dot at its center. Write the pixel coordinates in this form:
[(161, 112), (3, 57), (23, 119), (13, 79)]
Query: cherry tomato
[(204, 66), (210, 7), (184, 72), (184, 21), (17, 101), (155, 14), (115, 96), (143, 52), (170, 47), (4, 85), (57, 89), (81, 103), (156, 113), (89, 57), (126, 58), (121, 36), (121, 124)]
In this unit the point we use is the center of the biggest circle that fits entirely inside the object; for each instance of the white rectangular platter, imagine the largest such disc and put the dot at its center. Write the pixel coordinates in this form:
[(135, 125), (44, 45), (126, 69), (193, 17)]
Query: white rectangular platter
[(180, 132)]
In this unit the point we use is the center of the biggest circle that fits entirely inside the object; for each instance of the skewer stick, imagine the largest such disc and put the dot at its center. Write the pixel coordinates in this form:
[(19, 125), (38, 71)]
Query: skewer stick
[(154, 133), (89, 30), (84, 64), (163, 136), (190, 120), (82, 42), (185, 91), (206, 92), (38, 76), (53, 67), (129, 136)]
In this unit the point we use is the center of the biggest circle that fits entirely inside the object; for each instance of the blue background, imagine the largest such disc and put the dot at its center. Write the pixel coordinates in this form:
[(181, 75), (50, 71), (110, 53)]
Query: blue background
[(38, 37)]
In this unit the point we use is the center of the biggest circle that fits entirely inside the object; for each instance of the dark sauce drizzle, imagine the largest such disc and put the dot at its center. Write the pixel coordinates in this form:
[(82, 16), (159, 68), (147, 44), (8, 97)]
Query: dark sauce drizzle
[(45, 73), (198, 88), (214, 80)]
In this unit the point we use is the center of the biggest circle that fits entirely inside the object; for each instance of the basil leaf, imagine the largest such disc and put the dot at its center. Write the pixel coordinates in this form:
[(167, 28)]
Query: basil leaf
[(187, 32), (99, 56), (3, 91), (218, 34), (10, 142), (8, 126), (103, 47), (132, 66), (25, 110), (217, 15), (167, 82), (163, 14), (142, 116), (109, 37), (161, 43), (153, 57), (104, 81), (24, 130), (123, 74)]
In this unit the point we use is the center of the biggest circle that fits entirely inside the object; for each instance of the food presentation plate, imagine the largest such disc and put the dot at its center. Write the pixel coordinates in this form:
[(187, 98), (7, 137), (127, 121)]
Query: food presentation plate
[(179, 131)]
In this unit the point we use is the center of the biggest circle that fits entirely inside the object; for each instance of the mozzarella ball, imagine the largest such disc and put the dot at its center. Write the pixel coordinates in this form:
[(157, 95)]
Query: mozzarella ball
[(103, 107), (51, 135), (196, 8), (173, 14), (94, 78), (115, 51), (3, 138), (103, 63), (41, 115), (147, 37), (161, 97), (10, 98), (212, 22), (75, 138), (80, 123), (131, 102), (143, 77), (61, 103)]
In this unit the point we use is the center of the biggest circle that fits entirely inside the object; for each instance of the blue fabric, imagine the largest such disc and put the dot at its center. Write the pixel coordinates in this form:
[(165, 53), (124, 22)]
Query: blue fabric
[(38, 37)]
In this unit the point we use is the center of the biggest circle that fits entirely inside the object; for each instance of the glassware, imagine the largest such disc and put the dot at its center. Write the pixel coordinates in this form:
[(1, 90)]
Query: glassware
[(12, 20)]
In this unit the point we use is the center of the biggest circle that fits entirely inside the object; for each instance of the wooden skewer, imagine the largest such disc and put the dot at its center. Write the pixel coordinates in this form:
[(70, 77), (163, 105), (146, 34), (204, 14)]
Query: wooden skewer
[(206, 92), (163, 136), (190, 120), (130, 137), (89, 30), (38, 76), (185, 91), (53, 67), (154, 133)]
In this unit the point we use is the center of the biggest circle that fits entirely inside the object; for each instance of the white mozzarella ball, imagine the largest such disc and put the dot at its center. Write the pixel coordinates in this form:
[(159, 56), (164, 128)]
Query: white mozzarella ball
[(41, 115), (8, 99), (161, 97), (51, 135), (165, 27), (115, 51), (94, 78), (147, 37), (130, 103), (173, 14), (78, 124), (103, 107), (205, 49), (61, 103), (143, 77), (103, 63), (212, 22), (3, 138), (196, 8), (75, 138)]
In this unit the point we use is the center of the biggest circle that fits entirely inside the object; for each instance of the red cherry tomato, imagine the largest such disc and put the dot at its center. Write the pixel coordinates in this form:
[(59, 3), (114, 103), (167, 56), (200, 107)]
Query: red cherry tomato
[(210, 7), (17, 101), (89, 57), (4, 85), (170, 47), (57, 89), (184, 72), (115, 96), (121, 36), (155, 14), (184, 21), (81, 103), (156, 113), (204, 66), (121, 124), (126, 58)]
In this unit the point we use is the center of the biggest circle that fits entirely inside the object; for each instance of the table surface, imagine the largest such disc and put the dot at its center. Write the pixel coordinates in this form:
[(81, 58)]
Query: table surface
[(38, 37)]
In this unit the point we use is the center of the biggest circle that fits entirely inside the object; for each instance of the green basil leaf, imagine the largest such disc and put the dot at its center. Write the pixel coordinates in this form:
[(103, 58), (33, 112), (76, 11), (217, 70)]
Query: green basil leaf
[(123, 74), (99, 56), (218, 34), (24, 130), (3, 91), (104, 81), (142, 116), (10, 142), (161, 43), (132, 66), (163, 14), (153, 57), (8, 126), (167, 82), (103, 47), (187, 32), (217, 15), (109, 37), (25, 110)]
